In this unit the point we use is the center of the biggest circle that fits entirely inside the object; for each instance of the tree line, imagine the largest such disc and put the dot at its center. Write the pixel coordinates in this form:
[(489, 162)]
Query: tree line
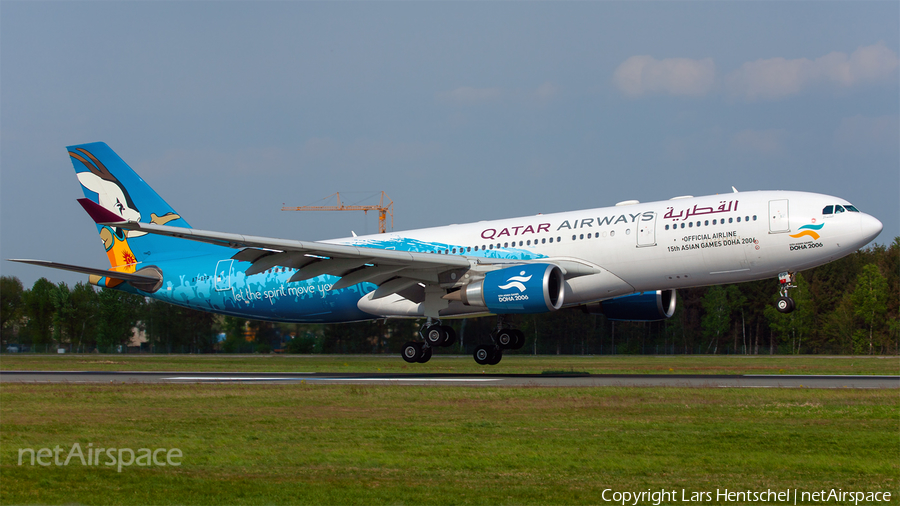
[(849, 306)]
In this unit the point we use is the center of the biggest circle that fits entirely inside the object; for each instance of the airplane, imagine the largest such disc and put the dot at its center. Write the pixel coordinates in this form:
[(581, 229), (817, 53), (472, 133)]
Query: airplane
[(624, 261)]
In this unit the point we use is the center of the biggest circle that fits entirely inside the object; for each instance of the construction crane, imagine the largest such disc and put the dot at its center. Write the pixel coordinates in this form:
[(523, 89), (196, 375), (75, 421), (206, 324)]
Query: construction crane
[(383, 210)]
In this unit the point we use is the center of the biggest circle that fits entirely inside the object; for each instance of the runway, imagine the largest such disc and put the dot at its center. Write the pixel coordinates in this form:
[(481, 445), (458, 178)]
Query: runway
[(507, 380)]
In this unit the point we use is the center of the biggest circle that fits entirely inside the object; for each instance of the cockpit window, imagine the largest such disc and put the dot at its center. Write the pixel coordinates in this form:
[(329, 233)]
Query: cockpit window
[(851, 209), (828, 210), (838, 209)]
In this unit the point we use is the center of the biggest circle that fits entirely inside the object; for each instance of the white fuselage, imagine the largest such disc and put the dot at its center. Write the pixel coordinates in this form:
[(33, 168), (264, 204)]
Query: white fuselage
[(678, 243)]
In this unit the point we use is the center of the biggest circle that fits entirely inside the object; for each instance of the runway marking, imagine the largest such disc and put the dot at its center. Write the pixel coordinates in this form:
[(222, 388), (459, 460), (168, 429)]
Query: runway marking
[(226, 378), (409, 379), (213, 378)]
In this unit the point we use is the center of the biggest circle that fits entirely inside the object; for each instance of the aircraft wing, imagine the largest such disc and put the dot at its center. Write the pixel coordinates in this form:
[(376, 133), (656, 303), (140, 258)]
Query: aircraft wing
[(352, 263), (394, 271)]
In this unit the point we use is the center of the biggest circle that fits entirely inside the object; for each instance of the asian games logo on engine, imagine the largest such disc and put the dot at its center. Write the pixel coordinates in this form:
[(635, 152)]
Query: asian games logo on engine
[(516, 282), (808, 231)]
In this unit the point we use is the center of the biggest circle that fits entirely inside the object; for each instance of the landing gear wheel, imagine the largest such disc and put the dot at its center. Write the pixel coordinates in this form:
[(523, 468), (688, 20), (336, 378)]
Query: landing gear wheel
[(435, 335), (520, 339), (484, 354), (426, 355), (506, 339), (451, 336), (785, 305), (412, 352), (498, 355)]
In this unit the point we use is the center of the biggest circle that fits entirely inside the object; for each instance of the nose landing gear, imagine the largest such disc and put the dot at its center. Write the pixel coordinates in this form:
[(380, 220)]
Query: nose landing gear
[(785, 303)]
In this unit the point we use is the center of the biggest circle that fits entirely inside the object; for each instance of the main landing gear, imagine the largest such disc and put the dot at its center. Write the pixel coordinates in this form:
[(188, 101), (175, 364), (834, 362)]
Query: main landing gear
[(433, 334), (785, 303), (504, 338)]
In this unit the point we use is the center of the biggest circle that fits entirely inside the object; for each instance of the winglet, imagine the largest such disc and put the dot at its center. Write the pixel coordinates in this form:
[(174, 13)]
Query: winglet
[(99, 213)]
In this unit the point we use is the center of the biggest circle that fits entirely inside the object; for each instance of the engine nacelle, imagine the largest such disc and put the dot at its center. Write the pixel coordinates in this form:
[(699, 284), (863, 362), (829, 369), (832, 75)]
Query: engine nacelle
[(637, 307), (524, 289)]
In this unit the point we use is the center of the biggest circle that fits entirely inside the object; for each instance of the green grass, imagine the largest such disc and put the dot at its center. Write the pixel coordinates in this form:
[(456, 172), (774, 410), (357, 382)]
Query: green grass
[(522, 364), (347, 444)]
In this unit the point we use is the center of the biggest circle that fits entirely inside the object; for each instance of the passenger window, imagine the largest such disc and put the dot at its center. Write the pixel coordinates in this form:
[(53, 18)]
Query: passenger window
[(828, 210), (574, 237), (667, 227), (691, 225), (558, 239), (582, 236), (612, 233), (682, 225), (492, 246), (714, 222), (470, 248), (754, 217), (706, 223), (739, 219), (506, 245), (544, 241), (838, 209), (529, 242), (551, 239)]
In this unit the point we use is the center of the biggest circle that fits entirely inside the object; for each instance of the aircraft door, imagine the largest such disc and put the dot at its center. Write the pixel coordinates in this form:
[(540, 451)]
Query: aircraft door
[(223, 275), (646, 235), (778, 216)]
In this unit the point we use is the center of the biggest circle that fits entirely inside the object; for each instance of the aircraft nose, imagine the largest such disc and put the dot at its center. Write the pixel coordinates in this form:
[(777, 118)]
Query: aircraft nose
[(869, 226)]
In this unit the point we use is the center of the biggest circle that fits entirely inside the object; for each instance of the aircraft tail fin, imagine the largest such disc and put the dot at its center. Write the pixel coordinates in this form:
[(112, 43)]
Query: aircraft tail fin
[(109, 182)]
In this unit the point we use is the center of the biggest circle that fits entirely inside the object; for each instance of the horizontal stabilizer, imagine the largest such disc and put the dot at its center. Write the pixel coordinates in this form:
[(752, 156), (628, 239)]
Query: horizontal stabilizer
[(124, 276)]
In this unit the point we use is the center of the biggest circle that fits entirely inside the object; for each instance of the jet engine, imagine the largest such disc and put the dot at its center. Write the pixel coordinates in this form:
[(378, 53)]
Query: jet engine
[(637, 307), (524, 289)]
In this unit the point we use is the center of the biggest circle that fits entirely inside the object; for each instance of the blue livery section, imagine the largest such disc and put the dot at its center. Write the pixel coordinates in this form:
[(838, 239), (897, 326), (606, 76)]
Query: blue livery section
[(218, 284)]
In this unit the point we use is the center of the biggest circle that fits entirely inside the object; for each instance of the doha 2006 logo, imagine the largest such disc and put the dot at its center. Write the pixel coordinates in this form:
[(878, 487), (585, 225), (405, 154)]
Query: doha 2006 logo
[(810, 231), (516, 282)]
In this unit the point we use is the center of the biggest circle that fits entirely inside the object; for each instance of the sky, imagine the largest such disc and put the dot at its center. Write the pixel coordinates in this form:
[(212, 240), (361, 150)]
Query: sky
[(460, 111)]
